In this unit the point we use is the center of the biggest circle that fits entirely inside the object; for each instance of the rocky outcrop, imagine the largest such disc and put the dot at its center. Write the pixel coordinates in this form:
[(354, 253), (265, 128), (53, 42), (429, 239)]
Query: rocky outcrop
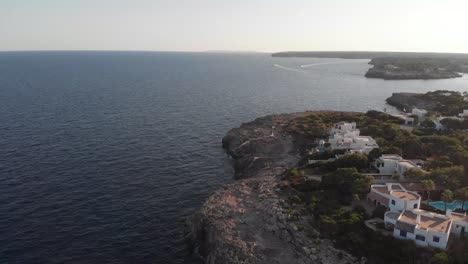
[(246, 221), (261, 144), (408, 101)]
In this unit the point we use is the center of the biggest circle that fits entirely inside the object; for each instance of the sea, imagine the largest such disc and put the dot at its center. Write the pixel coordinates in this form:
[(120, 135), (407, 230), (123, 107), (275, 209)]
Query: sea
[(104, 155)]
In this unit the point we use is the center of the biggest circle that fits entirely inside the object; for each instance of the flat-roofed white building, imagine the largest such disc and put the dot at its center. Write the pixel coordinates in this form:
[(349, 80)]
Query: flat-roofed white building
[(438, 124), (344, 128), (423, 227), (464, 114), (420, 113), (394, 197), (389, 164), (347, 137), (409, 222)]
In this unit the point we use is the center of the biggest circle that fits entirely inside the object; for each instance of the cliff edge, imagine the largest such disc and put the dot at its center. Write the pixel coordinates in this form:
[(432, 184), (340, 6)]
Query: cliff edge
[(246, 221)]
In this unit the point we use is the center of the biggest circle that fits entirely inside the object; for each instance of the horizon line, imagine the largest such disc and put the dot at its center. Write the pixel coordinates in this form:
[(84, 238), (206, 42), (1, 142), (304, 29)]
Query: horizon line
[(227, 51)]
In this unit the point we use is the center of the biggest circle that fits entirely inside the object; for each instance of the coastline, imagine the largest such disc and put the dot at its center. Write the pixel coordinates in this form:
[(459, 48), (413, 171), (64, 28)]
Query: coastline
[(247, 221), (397, 65)]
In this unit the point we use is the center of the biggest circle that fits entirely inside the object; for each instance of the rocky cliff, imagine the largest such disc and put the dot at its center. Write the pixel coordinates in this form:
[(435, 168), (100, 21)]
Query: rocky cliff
[(246, 221), (408, 101)]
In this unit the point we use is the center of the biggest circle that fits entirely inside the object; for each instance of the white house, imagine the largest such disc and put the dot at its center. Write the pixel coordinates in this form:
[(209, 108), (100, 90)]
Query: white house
[(394, 197), (439, 126), (460, 223), (405, 117), (409, 222), (343, 128), (423, 227), (389, 164), (346, 136), (420, 113), (360, 144), (464, 114)]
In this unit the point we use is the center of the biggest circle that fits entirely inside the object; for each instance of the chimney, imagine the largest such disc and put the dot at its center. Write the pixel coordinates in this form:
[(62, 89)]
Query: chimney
[(418, 219), (448, 213), (389, 187)]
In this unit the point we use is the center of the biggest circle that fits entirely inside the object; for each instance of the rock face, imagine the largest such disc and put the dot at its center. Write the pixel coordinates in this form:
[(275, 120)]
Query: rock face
[(261, 144), (245, 222), (409, 101)]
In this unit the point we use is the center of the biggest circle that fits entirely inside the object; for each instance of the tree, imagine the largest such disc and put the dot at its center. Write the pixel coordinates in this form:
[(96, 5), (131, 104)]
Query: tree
[(411, 147), (374, 154), (362, 184), (346, 182), (355, 160), (463, 195), (447, 196), (440, 258), (415, 174), (391, 150), (428, 187), (449, 175)]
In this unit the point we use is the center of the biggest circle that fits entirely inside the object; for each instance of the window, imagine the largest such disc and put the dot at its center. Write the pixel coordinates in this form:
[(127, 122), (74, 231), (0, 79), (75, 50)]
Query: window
[(402, 233), (415, 205), (420, 237), (393, 202), (436, 239)]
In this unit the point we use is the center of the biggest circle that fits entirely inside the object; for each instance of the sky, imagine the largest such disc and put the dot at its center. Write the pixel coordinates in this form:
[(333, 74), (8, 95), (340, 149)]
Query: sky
[(237, 25)]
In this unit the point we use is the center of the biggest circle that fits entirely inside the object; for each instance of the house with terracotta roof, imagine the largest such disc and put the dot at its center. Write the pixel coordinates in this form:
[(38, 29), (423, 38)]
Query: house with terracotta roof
[(459, 223), (425, 228), (409, 222), (394, 197)]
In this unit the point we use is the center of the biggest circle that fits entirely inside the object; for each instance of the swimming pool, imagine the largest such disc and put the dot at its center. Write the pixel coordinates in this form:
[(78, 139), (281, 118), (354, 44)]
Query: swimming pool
[(452, 206)]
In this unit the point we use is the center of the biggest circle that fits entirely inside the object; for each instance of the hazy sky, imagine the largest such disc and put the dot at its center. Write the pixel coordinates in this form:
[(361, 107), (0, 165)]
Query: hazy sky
[(248, 25)]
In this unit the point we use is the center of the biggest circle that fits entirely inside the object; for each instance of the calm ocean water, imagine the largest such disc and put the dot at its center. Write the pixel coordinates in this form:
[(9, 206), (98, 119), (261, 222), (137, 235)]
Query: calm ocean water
[(103, 155)]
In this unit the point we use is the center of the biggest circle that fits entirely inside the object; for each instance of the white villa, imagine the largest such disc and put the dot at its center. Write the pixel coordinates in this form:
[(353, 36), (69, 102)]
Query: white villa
[(344, 128), (420, 113), (389, 164), (423, 227), (394, 197), (439, 126), (410, 222), (460, 117), (346, 136), (464, 114), (405, 117)]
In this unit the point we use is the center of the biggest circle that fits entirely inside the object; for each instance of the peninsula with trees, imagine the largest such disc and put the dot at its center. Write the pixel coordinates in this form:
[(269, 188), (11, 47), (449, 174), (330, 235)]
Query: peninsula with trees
[(329, 187)]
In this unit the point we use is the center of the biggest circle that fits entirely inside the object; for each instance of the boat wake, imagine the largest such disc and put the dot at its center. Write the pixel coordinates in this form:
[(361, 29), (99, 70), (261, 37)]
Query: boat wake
[(322, 63), (288, 69)]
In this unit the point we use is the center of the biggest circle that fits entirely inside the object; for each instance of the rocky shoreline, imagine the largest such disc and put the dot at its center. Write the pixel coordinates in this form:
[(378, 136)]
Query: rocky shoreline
[(401, 68), (246, 221), (387, 73), (408, 101)]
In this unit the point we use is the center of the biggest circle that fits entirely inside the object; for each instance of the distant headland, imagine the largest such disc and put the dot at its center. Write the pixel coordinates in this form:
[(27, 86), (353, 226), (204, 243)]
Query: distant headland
[(398, 65)]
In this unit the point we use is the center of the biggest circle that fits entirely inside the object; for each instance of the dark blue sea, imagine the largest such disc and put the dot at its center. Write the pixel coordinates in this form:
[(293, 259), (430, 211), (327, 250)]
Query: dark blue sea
[(103, 155)]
